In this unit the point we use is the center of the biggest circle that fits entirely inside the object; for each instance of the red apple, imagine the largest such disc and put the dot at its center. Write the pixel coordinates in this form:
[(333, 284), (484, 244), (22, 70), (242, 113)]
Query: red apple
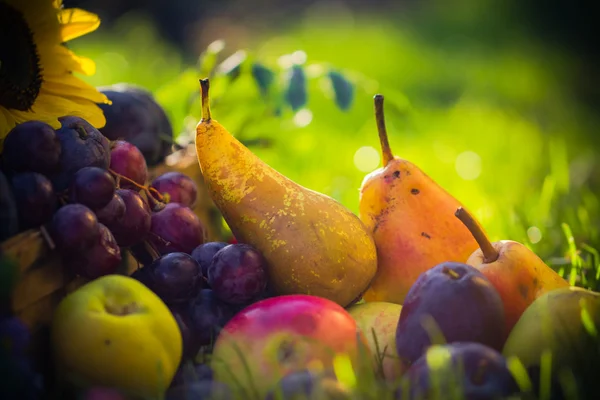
[(284, 334)]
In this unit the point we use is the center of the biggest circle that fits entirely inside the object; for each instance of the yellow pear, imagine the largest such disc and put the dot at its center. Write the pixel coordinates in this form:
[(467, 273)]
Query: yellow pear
[(312, 243)]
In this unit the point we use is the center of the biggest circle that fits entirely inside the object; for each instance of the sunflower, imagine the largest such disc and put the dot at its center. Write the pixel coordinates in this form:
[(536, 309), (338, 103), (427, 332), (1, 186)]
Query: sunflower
[(37, 80)]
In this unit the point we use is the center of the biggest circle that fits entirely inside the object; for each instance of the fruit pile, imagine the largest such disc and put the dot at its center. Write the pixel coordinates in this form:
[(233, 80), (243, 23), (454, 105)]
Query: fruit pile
[(408, 300)]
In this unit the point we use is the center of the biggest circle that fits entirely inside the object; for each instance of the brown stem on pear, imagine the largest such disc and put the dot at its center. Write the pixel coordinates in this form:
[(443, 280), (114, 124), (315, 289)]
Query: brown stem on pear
[(386, 151), (205, 85), (490, 254)]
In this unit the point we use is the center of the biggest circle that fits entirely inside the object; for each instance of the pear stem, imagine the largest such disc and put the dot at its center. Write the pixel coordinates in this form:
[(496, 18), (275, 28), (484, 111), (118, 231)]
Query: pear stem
[(490, 254), (386, 151), (205, 85)]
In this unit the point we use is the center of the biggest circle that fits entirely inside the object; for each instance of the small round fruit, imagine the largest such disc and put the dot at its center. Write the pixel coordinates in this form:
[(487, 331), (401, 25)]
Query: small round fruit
[(204, 254), (237, 273), (82, 146), (74, 228), (112, 212), (456, 299), (135, 223), (103, 258), (180, 188), (127, 160), (35, 198), (32, 146), (115, 332), (175, 277), (208, 315), (93, 187), (471, 371), (175, 228)]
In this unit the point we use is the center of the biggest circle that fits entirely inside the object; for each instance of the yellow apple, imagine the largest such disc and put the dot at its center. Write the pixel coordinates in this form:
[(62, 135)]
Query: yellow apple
[(380, 318), (115, 332)]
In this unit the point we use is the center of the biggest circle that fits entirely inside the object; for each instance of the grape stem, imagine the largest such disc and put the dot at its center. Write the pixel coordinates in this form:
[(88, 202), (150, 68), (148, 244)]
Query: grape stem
[(150, 191), (47, 237)]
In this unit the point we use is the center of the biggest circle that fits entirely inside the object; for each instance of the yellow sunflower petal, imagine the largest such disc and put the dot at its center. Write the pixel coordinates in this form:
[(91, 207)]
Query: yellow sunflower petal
[(76, 22), (60, 106), (57, 4), (71, 86), (60, 59)]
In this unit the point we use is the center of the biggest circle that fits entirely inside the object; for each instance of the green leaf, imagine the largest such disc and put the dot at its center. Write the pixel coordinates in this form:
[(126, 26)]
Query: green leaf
[(343, 89), (296, 94), (263, 77)]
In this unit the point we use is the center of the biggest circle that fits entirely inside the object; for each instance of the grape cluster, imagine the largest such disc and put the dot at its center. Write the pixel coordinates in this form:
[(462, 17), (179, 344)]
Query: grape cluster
[(91, 198)]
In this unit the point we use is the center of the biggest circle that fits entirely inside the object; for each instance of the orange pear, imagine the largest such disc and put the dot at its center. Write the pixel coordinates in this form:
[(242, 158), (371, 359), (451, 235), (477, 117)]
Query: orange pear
[(411, 219), (516, 272)]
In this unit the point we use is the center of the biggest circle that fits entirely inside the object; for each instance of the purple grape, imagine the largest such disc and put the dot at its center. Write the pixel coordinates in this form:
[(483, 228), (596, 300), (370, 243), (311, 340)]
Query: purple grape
[(103, 258), (237, 273), (208, 315), (74, 228), (477, 371), (82, 146), (112, 212), (134, 225), (93, 187), (204, 254), (32, 147), (175, 228), (180, 188), (200, 390), (191, 346), (14, 336), (34, 197), (127, 160), (9, 214), (175, 277)]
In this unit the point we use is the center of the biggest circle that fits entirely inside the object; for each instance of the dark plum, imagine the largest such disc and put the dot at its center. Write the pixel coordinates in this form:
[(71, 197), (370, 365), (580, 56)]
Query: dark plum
[(179, 187), (471, 371), (200, 390), (35, 197), (208, 315), (93, 187), (101, 259), (128, 161), (134, 225), (74, 229), (204, 254), (189, 372), (102, 393), (237, 273), (9, 214), (180, 312), (305, 384), (175, 228), (136, 117), (175, 277), (14, 336), (459, 300), (82, 146), (32, 146), (112, 212)]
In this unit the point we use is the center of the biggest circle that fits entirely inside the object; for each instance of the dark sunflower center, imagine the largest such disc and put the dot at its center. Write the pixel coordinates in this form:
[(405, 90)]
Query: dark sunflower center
[(20, 71)]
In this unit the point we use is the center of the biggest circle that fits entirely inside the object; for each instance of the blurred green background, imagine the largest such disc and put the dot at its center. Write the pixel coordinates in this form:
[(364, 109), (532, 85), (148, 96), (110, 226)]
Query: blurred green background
[(489, 98)]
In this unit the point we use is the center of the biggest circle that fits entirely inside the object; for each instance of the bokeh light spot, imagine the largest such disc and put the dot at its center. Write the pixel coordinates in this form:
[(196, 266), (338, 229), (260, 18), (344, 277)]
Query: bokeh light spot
[(366, 159), (468, 165), (303, 117), (534, 234)]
